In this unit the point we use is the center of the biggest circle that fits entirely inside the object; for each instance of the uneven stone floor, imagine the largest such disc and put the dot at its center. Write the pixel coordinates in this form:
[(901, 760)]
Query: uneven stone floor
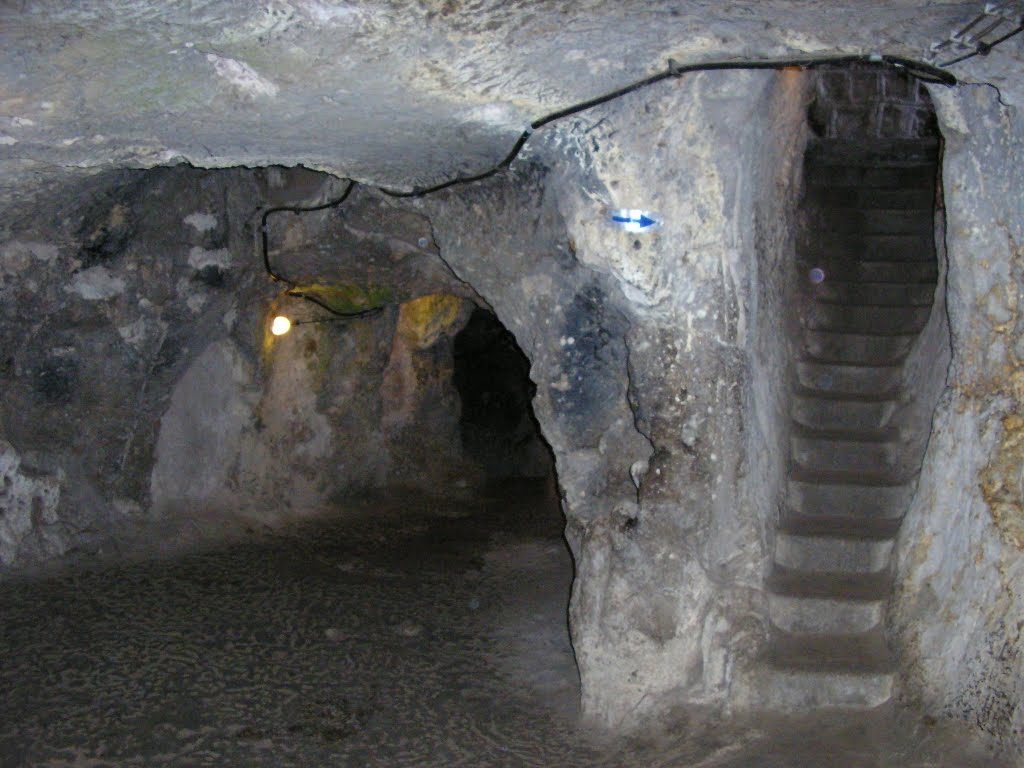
[(417, 632)]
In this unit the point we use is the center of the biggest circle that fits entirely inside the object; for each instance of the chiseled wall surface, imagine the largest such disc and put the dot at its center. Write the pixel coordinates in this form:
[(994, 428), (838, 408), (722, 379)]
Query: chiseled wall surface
[(668, 604), (958, 616), (110, 291), (657, 359)]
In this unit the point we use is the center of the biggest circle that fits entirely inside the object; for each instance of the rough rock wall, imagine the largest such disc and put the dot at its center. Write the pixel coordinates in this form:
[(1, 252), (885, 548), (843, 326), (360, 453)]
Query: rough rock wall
[(141, 386), (336, 408), (421, 407), (643, 347), (280, 428), (776, 191), (676, 610), (28, 503), (959, 612), (109, 293)]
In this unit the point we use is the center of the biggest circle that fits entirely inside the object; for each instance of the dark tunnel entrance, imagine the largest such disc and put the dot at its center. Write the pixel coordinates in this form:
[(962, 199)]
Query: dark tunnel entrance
[(497, 425)]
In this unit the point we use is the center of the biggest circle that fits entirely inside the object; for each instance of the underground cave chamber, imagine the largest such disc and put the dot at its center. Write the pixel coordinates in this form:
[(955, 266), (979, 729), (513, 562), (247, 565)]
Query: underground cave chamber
[(357, 518), (348, 539)]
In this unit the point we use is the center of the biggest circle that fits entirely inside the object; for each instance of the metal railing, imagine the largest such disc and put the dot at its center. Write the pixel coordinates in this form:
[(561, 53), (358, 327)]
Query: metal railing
[(996, 23)]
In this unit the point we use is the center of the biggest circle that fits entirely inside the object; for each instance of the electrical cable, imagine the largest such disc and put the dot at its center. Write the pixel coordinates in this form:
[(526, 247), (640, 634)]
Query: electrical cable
[(278, 278), (293, 289), (674, 70)]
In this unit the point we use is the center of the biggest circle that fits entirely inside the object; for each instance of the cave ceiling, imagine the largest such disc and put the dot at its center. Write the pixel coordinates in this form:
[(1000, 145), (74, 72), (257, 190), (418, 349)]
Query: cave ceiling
[(396, 93)]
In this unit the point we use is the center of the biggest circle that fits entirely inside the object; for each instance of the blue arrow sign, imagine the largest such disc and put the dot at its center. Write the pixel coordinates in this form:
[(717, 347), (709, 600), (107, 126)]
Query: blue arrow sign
[(643, 221), (634, 219)]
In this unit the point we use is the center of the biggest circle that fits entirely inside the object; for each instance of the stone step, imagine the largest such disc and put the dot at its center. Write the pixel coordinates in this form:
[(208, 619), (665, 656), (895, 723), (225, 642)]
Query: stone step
[(878, 380), (863, 293), (910, 176), (852, 318), (901, 225), (832, 246), (866, 652), (868, 277), (812, 552), (841, 411), (849, 268), (870, 270), (857, 348), (844, 494), (854, 451), (798, 672), (877, 152), (877, 528), (837, 249), (912, 257), (921, 199), (780, 689), (826, 602)]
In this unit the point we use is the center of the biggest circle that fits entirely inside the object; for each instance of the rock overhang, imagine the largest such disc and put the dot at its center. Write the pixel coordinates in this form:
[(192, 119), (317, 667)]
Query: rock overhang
[(402, 94)]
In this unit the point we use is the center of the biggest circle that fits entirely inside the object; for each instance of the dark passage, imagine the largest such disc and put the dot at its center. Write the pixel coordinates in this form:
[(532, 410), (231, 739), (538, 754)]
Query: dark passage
[(497, 424)]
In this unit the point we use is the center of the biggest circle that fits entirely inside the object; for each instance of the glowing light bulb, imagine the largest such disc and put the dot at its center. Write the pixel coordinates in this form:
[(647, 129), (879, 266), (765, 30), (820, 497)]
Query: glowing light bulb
[(280, 325)]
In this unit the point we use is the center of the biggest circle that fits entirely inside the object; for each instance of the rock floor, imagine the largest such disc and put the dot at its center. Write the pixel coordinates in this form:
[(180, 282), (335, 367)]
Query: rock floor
[(430, 634)]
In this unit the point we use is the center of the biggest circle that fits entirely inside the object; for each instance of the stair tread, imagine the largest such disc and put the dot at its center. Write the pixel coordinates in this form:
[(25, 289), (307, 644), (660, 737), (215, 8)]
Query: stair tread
[(873, 335), (845, 303), (853, 397), (875, 435), (866, 305), (855, 250), (914, 201), (856, 325), (896, 361), (863, 318), (845, 477), (902, 280), (886, 211), (840, 526), (823, 144), (853, 237), (869, 164), (846, 364), (910, 310), (852, 209), (873, 283), (896, 262), (865, 654), (871, 586)]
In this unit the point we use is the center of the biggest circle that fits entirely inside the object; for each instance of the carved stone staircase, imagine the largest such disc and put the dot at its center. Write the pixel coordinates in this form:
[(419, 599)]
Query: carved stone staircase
[(868, 277)]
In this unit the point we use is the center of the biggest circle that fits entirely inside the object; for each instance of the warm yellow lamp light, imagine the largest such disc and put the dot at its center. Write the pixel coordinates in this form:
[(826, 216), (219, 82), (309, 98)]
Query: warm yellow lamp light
[(280, 325)]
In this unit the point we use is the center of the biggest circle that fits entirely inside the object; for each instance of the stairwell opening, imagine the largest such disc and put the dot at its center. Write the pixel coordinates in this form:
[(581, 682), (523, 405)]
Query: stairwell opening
[(869, 344)]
